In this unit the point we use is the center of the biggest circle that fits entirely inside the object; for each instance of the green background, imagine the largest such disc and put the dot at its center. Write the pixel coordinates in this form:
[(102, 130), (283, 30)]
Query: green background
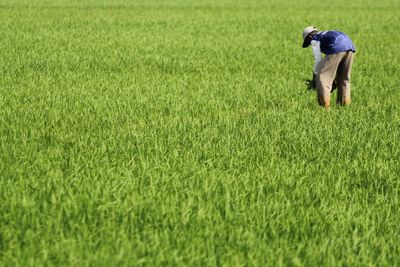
[(182, 133)]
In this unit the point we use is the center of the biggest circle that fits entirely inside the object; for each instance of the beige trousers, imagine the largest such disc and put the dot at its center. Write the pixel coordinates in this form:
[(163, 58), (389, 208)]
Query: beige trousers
[(340, 64)]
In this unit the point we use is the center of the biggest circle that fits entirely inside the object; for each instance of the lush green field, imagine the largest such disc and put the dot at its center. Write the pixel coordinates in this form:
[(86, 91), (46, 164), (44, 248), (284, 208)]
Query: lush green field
[(182, 133)]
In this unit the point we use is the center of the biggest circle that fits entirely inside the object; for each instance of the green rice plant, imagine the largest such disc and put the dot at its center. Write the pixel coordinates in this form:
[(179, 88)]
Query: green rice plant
[(182, 133)]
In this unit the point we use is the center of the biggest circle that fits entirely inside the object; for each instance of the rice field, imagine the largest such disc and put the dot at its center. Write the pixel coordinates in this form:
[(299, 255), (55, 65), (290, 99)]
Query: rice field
[(182, 133)]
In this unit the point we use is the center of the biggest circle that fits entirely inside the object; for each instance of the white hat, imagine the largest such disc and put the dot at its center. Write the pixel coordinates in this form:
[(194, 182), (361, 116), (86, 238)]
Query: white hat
[(306, 32)]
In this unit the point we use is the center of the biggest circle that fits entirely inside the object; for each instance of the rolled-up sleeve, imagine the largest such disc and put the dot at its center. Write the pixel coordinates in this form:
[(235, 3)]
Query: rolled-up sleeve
[(317, 55)]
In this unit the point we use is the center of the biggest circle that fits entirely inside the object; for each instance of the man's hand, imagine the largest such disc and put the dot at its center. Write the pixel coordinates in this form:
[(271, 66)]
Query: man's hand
[(313, 83)]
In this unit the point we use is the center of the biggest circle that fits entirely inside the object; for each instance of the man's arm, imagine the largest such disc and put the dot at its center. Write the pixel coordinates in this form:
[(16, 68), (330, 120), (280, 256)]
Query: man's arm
[(317, 55)]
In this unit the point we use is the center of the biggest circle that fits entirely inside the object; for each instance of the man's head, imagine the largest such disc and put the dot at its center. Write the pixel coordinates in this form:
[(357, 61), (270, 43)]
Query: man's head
[(308, 34)]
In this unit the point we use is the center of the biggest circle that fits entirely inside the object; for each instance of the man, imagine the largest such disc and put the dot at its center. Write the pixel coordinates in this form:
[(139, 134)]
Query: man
[(339, 53)]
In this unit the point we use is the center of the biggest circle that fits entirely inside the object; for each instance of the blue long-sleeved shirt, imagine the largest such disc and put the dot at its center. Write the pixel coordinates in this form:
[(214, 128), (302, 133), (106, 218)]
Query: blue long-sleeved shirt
[(329, 42)]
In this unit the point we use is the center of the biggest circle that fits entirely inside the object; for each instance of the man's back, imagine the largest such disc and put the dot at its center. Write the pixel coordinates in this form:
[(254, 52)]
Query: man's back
[(333, 42)]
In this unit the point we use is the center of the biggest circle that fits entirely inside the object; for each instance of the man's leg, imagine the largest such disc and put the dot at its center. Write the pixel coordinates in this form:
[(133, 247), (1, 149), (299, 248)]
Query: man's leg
[(343, 79), (325, 76)]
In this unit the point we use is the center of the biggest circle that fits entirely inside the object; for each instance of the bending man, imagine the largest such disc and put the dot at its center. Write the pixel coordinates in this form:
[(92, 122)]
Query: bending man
[(339, 53)]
